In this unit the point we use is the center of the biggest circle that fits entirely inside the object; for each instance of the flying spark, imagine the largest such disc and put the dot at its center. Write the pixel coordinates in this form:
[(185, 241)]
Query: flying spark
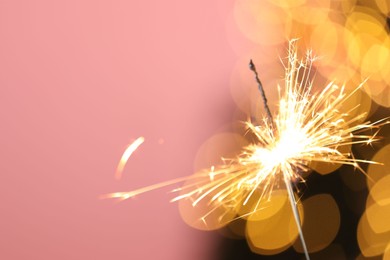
[(126, 155)]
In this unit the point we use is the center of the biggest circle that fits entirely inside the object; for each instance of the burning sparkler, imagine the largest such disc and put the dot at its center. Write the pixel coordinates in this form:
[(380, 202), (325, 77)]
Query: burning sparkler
[(308, 127)]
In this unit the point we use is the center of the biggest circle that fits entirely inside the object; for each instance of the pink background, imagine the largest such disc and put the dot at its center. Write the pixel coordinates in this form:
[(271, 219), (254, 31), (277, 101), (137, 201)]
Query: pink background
[(79, 80)]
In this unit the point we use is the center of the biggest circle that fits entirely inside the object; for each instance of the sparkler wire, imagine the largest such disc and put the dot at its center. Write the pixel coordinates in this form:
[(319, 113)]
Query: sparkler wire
[(286, 179), (252, 67)]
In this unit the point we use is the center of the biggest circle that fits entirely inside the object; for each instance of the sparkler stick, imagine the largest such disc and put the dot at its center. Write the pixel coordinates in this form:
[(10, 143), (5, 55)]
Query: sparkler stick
[(286, 178)]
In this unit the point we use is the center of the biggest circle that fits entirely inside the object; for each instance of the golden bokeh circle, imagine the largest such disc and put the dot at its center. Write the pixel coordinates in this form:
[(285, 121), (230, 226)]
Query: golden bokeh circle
[(324, 168), (386, 254), (375, 62), (255, 19), (218, 146), (208, 214), (380, 192), (287, 4), (381, 168), (205, 215), (322, 222), (311, 13), (370, 243), (384, 6), (273, 235), (382, 98), (324, 41), (378, 215), (260, 207)]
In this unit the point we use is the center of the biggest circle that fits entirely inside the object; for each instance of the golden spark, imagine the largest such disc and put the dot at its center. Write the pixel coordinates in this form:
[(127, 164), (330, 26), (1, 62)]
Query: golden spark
[(308, 127), (126, 155)]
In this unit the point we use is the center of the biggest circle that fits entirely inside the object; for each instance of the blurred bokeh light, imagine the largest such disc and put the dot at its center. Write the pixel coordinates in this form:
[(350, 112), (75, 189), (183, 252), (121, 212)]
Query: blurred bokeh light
[(352, 42)]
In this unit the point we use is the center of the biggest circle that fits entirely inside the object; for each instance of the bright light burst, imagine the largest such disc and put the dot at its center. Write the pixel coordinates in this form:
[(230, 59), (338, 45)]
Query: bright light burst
[(308, 127)]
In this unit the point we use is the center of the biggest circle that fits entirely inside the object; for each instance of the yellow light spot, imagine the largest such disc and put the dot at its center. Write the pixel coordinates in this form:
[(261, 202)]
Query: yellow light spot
[(354, 46), (386, 255), (328, 167), (384, 6), (287, 4), (266, 207), (358, 105), (307, 15), (322, 222), (221, 145), (375, 61), (378, 215), (380, 192), (206, 215), (367, 21), (375, 172), (324, 40), (371, 243), (343, 74), (256, 19), (126, 155), (383, 97), (273, 235), (347, 6)]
